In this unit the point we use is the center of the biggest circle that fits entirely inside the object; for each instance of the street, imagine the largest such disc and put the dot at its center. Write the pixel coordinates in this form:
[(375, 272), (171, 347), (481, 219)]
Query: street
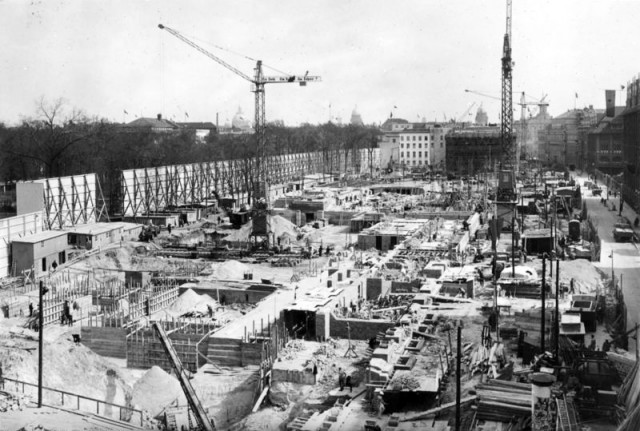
[(625, 260)]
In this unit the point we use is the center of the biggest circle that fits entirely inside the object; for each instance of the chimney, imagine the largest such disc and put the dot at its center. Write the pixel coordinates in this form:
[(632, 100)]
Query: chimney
[(160, 117), (610, 96)]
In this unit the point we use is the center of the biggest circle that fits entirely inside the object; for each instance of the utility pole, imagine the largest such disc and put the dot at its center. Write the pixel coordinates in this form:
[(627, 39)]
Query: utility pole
[(458, 374), (513, 247), (544, 299), (557, 329), (40, 340)]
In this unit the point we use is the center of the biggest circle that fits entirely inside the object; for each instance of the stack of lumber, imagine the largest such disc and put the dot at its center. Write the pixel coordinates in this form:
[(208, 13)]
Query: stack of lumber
[(503, 401)]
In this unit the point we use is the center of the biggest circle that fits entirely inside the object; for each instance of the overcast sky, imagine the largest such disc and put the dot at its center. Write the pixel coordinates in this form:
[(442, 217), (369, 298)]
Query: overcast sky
[(105, 57)]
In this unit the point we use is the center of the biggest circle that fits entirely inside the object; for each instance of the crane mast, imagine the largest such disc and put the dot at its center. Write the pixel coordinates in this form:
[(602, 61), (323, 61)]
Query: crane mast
[(258, 80), (506, 125)]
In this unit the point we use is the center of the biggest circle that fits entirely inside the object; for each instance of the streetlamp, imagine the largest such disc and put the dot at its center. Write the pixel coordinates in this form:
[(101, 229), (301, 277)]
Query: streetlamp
[(612, 275)]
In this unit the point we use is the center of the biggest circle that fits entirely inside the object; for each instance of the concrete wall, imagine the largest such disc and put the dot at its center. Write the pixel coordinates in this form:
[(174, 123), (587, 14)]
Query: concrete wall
[(302, 377), (341, 218), (360, 329), (13, 228), (233, 352), (405, 287), (376, 287)]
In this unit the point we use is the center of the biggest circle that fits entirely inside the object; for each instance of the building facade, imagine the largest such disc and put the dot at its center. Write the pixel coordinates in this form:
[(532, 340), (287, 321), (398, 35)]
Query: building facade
[(605, 141), (631, 142), (564, 139), (473, 150), (413, 146)]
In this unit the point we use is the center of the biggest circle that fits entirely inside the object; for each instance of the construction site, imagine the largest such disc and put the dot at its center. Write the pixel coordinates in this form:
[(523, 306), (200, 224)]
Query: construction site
[(318, 291)]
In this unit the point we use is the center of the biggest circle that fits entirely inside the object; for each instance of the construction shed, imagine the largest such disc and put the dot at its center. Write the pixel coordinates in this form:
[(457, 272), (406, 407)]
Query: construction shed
[(97, 235), (39, 251)]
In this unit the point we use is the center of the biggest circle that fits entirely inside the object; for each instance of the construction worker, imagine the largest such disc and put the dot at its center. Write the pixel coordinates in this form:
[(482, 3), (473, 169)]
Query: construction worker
[(381, 406)]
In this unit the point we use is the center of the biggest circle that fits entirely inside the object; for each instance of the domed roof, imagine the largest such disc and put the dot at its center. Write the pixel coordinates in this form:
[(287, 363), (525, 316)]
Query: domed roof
[(356, 119), (240, 121)]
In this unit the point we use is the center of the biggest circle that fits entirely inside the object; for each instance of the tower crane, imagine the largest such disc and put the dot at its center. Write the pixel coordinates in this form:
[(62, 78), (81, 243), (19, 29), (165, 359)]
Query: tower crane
[(506, 125), (259, 80)]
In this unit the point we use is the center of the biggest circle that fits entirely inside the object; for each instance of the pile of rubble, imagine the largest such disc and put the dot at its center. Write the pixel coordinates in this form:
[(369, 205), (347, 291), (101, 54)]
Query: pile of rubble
[(10, 401)]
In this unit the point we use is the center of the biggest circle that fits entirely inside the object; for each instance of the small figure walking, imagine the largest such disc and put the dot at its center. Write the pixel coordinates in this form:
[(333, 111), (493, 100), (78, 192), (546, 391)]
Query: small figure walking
[(349, 383), (341, 378), (31, 309), (381, 405)]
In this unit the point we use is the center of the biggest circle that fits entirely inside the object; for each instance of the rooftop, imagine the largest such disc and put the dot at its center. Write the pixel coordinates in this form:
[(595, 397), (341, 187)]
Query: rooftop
[(41, 236)]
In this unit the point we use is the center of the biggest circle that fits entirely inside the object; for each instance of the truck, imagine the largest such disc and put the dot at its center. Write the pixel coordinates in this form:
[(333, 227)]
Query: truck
[(622, 232)]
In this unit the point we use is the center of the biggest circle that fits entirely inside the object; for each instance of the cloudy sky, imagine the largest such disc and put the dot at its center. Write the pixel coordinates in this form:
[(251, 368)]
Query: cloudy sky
[(105, 57)]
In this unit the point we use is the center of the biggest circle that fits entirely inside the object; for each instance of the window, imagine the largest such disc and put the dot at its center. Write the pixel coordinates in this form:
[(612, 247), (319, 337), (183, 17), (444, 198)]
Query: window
[(419, 137), (414, 145), (393, 140), (414, 154), (401, 145), (419, 145), (401, 153), (419, 153), (441, 145), (431, 144), (414, 137)]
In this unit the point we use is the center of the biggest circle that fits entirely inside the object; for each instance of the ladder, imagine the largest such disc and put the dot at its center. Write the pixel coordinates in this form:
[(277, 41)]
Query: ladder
[(204, 423)]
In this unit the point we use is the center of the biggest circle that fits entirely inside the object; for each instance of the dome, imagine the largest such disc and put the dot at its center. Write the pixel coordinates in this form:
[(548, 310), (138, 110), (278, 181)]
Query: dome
[(240, 121), (482, 119), (356, 119)]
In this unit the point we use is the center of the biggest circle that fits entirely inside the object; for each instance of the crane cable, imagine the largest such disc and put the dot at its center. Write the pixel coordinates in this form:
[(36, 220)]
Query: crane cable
[(221, 48)]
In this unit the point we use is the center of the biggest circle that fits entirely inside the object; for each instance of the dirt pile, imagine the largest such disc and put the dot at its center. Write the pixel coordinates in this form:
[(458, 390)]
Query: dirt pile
[(190, 301), (68, 367), (155, 390), (229, 270)]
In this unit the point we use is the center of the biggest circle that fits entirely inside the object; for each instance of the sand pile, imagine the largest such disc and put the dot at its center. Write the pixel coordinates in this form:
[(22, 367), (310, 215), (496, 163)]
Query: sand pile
[(281, 226), (155, 390), (229, 270), (190, 301)]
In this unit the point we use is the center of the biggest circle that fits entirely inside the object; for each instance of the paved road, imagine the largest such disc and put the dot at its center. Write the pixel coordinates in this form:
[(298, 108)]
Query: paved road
[(626, 256)]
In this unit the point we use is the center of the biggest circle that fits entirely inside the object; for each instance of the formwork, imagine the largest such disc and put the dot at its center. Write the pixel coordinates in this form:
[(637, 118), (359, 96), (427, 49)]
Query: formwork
[(190, 339), (135, 301), (106, 334)]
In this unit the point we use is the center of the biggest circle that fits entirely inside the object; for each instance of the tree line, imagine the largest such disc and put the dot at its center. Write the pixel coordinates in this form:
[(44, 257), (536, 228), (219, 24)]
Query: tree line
[(61, 141)]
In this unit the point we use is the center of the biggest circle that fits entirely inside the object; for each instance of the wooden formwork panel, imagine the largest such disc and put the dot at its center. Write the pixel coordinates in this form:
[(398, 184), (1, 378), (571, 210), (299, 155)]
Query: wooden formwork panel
[(105, 341)]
